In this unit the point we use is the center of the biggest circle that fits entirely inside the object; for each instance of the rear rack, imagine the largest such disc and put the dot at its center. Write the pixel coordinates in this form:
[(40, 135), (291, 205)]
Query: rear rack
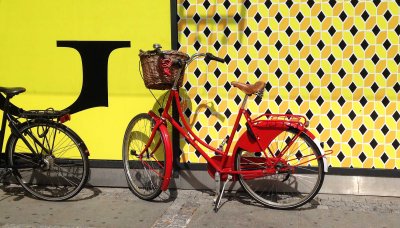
[(44, 114), (281, 120)]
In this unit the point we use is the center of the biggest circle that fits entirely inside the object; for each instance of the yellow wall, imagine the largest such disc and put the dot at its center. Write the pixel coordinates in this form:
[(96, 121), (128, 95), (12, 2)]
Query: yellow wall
[(355, 113), (29, 57)]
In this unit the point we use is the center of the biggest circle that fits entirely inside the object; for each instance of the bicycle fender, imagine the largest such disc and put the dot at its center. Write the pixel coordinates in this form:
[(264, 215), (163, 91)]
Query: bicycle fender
[(168, 157), (168, 149)]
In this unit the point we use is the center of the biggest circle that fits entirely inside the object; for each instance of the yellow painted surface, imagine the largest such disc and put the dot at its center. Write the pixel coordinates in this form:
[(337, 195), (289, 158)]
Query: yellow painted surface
[(29, 57)]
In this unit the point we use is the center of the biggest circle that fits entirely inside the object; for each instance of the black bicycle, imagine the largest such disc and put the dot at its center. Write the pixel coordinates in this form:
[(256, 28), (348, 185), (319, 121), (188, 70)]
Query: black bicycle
[(46, 157)]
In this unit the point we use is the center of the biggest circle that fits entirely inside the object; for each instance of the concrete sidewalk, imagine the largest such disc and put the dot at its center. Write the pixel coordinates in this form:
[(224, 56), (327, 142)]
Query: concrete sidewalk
[(118, 207)]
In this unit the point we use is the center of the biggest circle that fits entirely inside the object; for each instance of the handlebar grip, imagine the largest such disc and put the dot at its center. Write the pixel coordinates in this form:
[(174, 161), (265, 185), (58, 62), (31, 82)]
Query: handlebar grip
[(210, 56)]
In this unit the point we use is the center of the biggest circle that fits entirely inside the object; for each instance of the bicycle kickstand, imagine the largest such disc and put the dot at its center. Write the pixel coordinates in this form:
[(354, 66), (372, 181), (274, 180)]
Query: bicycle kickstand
[(219, 193)]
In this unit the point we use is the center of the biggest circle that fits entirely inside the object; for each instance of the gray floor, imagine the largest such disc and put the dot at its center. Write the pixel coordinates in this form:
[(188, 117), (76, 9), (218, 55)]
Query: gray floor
[(118, 207)]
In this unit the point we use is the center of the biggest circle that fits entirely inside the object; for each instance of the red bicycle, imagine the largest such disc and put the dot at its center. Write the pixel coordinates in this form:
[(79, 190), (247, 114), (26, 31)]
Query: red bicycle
[(277, 161)]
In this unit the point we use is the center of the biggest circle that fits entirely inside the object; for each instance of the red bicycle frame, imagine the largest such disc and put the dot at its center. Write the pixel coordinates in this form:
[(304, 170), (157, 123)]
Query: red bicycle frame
[(224, 166)]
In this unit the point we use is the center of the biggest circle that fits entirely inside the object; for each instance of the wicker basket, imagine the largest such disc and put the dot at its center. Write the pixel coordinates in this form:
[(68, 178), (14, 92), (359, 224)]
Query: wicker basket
[(153, 75)]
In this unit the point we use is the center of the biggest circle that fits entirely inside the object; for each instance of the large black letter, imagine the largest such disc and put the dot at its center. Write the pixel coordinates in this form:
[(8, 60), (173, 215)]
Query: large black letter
[(94, 54)]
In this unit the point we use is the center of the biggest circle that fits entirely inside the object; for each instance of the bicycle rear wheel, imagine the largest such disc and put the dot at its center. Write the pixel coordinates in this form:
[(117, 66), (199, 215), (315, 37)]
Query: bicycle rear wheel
[(299, 176), (144, 169), (52, 163)]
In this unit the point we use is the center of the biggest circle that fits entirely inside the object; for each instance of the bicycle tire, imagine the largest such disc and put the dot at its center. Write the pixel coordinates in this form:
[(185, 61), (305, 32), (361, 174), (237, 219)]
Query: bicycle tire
[(284, 190), (144, 172), (54, 176)]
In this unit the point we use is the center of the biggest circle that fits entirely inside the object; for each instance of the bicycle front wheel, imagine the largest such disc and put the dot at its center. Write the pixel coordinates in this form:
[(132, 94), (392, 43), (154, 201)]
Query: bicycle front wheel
[(144, 168), (49, 161), (298, 175)]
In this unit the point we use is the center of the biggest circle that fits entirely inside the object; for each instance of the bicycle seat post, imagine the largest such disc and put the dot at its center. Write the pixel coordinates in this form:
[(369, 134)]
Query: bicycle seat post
[(4, 121)]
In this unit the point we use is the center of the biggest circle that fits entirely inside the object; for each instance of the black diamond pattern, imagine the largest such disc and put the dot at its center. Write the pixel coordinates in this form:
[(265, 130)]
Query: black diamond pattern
[(258, 45), (208, 113), (340, 156), (299, 45), (299, 100), (354, 30), (365, 15), (331, 59), (197, 126), (258, 73), (321, 16), (331, 87), (217, 18), (227, 113), (386, 73), (217, 99), (227, 31), (278, 17), (387, 15), (247, 31), (237, 45), (268, 31), (363, 101), (237, 99), (384, 158), (278, 45), (343, 16), (320, 101), (387, 44), (355, 60), (362, 157), (373, 143), (309, 114), (299, 73), (374, 87), (299, 17), (196, 18), (352, 115), (207, 86), (352, 143), (332, 30), (385, 129), (278, 100), (289, 31), (330, 114), (237, 72), (374, 115), (207, 31), (341, 101), (364, 44), (217, 126), (362, 129), (310, 31), (268, 59), (352, 87), (309, 87), (341, 129), (385, 101), (237, 17), (376, 30)]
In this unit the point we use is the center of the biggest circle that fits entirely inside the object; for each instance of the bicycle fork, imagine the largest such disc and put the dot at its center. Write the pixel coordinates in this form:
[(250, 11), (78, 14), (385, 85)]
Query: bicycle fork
[(218, 192)]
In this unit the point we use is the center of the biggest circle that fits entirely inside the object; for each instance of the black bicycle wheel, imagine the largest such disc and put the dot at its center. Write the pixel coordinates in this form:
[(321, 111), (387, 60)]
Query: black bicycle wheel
[(300, 177), (144, 169), (52, 163)]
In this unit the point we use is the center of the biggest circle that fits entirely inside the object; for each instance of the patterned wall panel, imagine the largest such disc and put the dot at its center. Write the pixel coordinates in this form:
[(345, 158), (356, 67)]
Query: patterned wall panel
[(336, 62)]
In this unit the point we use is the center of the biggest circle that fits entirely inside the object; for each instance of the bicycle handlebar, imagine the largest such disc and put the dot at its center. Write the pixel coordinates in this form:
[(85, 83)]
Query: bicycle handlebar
[(210, 56)]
